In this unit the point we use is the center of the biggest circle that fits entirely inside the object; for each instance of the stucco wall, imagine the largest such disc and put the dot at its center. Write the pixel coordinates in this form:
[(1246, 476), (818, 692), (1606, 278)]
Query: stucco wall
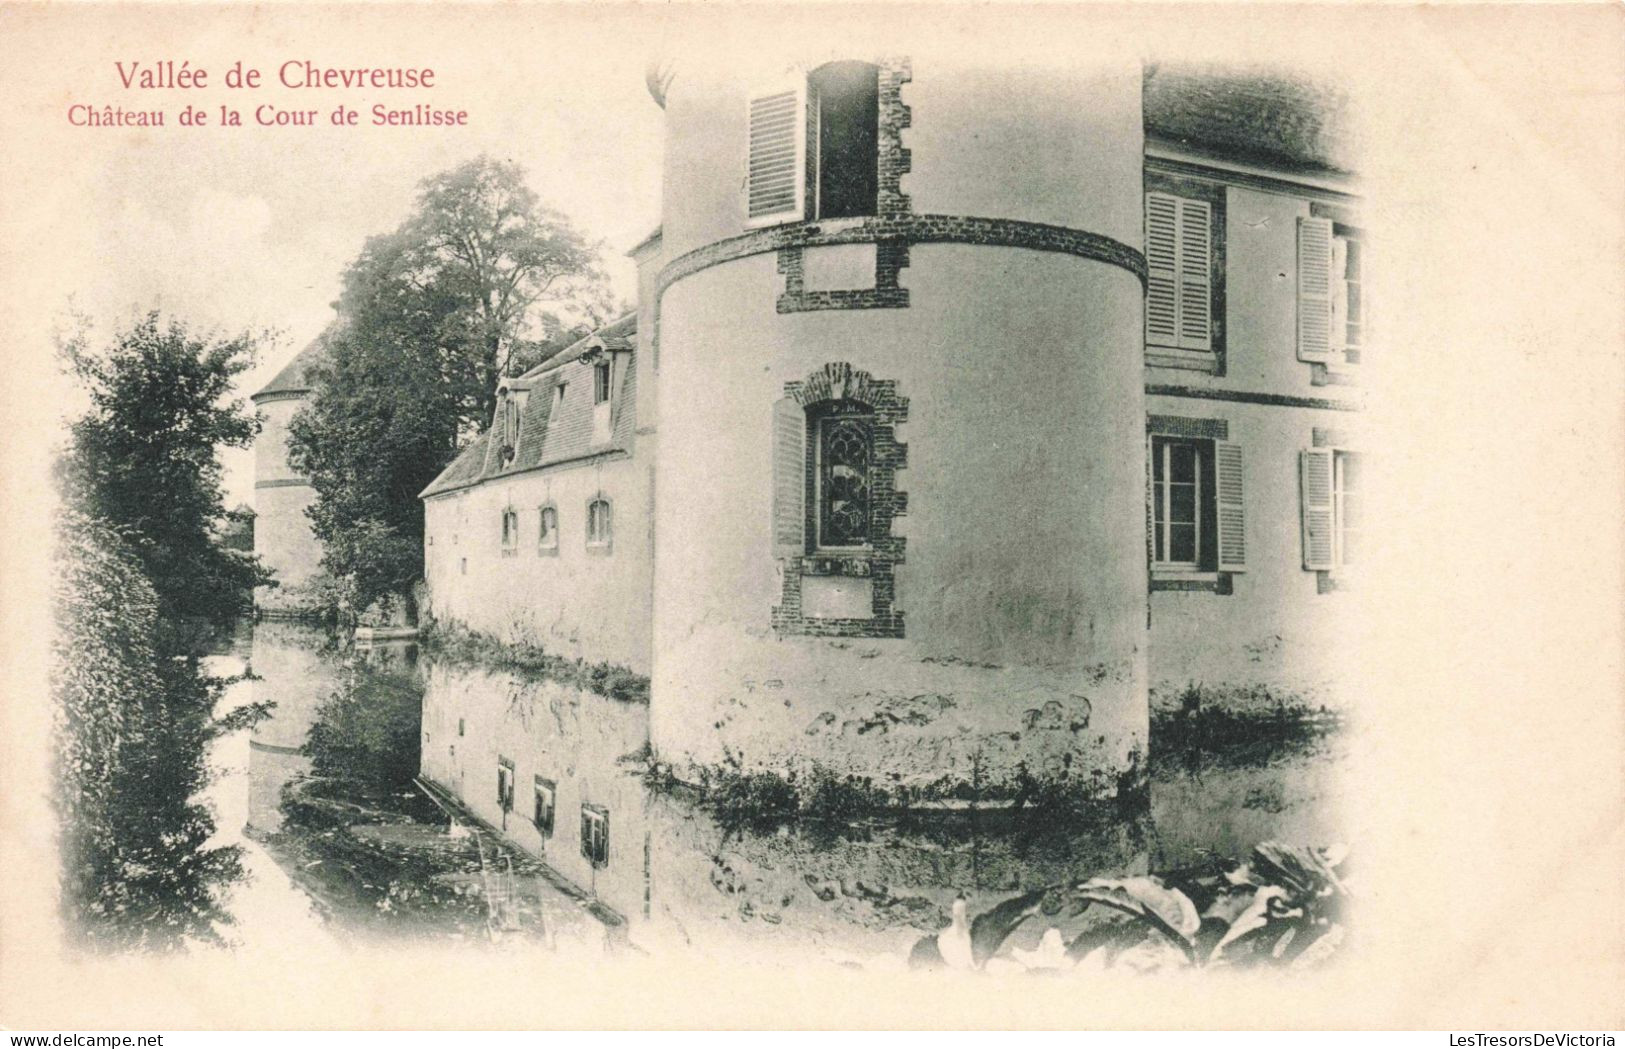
[(1023, 582), (1023, 380), (1276, 628), (574, 602)]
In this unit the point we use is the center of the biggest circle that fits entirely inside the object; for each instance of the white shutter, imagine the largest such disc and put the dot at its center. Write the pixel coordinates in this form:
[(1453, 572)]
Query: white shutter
[(1232, 519), (1316, 473), (776, 147), (1179, 272), (1314, 289), (1161, 257), (1195, 275), (789, 478)]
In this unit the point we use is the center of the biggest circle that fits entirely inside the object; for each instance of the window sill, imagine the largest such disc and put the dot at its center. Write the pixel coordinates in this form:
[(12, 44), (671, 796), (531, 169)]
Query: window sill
[(1192, 582), (1183, 360), (852, 563), (510, 553), (547, 551), (599, 549)]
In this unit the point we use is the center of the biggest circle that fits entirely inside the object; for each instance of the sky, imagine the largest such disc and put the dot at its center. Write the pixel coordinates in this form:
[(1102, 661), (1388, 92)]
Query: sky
[(251, 228)]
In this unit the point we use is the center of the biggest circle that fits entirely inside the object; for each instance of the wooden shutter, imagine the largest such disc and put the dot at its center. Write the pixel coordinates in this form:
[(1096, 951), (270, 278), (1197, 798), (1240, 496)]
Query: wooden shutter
[(789, 478), (1179, 262), (1232, 519), (775, 184), (1162, 263), (1316, 473), (1195, 275), (1314, 289)]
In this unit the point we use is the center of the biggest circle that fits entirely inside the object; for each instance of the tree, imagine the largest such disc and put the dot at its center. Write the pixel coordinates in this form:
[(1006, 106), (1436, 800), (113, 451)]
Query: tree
[(144, 459), (479, 281)]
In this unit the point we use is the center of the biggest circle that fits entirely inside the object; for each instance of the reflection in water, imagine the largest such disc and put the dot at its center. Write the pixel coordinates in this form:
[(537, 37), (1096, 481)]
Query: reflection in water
[(410, 795)]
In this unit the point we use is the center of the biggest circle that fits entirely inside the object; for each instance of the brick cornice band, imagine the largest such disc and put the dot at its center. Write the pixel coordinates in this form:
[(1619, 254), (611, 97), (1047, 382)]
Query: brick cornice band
[(906, 229), (290, 482)]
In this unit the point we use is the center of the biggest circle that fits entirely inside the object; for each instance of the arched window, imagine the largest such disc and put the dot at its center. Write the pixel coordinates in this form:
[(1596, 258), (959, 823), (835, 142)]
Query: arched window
[(842, 436), (598, 523), (510, 532), (547, 536)]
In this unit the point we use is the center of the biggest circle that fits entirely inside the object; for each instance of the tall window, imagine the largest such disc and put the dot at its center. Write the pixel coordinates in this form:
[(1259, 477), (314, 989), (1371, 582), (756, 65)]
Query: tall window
[(817, 135), (1345, 507), (546, 797), (600, 382), (1179, 260), (548, 536), (595, 835), (843, 454), (1348, 300), (1184, 521), (505, 786), (510, 532), (845, 102), (598, 522)]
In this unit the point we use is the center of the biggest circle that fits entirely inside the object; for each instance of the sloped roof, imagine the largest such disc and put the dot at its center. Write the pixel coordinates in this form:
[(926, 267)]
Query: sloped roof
[(1272, 117), (554, 430), (294, 376)]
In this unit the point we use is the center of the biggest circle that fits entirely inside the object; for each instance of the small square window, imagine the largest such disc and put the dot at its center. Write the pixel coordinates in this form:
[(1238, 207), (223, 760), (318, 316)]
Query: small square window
[(595, 835), (546, 797)]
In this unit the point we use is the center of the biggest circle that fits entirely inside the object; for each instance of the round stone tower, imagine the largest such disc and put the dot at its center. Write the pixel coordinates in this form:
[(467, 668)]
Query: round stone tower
[(900, 525), (282, 536)]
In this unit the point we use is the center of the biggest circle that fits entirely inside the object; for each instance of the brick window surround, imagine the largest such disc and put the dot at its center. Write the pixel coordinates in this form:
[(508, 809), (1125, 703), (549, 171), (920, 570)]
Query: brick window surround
[(854, 390), (1222, 583), (891, 256), (1213, 193)]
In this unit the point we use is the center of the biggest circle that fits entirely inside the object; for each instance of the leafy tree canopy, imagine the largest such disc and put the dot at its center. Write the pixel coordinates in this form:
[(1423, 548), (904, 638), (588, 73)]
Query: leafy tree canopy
[(480, 281), (144, 458)]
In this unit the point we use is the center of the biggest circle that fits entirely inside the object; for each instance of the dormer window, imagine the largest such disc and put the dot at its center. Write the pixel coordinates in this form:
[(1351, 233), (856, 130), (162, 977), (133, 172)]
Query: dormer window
[(814, 146), (509, 413)]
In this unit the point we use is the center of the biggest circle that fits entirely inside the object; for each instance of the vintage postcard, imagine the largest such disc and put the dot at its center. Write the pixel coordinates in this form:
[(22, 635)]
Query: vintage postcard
[(998, 516)]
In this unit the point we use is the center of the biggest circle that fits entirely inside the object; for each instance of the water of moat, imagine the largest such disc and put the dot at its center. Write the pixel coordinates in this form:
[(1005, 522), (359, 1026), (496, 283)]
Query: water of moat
[(367, 806)]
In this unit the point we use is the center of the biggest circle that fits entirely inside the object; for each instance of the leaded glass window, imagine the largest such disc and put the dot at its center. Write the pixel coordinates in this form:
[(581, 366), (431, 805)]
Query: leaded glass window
[(845, 451)]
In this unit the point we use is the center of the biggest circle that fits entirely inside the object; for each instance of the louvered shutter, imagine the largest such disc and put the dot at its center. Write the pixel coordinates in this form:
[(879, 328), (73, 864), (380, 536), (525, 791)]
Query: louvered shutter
[(1179, 278), (789, 478), (1195, 275), (1232, 519), (1161, 257), (1316, 471), (775, 185), (1314, 289)]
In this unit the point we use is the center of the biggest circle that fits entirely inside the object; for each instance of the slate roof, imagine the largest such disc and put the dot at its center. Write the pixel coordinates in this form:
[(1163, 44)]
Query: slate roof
[(553, 431), (294, 376), (1270, 117)]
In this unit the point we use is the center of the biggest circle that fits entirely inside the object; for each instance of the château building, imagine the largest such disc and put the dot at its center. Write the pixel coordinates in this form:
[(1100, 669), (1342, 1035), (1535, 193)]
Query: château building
[(282, 536), (962, 410)]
